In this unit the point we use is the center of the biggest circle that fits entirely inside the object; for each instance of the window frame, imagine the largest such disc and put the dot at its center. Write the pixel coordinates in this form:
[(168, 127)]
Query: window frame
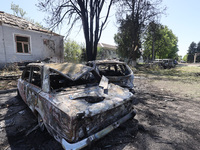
[(30, 69), (32, 76), (27, 69), (23, 43)]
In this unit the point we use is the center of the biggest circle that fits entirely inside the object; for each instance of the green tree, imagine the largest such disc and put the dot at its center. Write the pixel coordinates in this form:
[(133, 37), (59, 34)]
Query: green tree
[(124, 41), (180, 57), (88, 12), (198, 47), (17, 10), (162, 40), (151, 35), (192, 48), (137, 15), (21, 13), (72, 51), (185, 57)]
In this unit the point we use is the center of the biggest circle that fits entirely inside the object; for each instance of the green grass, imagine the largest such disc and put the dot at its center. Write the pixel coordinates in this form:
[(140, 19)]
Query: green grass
[(179, 72)]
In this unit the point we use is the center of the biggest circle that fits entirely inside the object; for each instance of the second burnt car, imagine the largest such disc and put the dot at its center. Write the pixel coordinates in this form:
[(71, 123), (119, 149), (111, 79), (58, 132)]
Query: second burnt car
[(116, 71), (73, 102)]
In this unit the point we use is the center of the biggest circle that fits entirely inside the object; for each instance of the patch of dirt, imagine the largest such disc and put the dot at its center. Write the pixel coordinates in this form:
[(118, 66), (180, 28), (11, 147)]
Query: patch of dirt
[(16, 127), (170, 117), (166, 119)]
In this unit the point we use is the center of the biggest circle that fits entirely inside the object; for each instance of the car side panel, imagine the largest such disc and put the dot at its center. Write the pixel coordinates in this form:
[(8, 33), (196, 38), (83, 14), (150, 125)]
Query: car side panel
[(32, 94), (58, 123), (22, 87)]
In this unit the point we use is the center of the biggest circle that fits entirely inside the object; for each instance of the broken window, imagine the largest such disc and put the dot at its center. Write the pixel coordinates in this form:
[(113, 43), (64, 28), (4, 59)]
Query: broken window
[(58, 81), (113, 69), (26, 74), (22, 44), (36, 76)]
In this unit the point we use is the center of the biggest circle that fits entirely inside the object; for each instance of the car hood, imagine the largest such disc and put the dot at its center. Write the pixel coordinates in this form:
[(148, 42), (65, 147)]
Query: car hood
[(74, 100)]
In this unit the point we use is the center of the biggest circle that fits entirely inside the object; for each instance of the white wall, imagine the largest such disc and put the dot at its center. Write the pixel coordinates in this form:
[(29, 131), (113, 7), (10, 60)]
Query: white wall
[(2, 52), (39, 50)]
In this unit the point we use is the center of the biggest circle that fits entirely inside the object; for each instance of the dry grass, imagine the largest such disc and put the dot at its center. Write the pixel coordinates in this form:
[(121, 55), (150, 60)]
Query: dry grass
[(183, 80), (10, 71), (181, 72), (8, 84)]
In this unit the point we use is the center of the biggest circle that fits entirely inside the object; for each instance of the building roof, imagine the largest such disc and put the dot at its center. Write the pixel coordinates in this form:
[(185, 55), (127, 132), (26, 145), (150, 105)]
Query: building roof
[(21, 23), (107, 46)]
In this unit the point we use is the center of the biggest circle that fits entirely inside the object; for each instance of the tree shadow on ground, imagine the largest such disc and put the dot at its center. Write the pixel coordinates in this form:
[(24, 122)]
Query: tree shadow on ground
[(162, 122), (171, 122)]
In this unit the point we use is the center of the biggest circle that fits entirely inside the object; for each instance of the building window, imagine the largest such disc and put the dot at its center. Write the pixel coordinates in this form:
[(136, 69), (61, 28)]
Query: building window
[(22, 44)]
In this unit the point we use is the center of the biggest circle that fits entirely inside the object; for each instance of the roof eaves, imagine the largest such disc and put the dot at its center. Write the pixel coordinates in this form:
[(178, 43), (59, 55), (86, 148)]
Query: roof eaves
[(12, 20)]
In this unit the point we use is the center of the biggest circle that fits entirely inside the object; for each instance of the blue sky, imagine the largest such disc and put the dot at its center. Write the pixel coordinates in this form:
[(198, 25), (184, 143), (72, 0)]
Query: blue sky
[(182, 18)]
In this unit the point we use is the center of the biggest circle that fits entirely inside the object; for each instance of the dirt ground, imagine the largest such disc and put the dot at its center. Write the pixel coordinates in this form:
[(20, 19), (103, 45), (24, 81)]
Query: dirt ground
[(168, 118)]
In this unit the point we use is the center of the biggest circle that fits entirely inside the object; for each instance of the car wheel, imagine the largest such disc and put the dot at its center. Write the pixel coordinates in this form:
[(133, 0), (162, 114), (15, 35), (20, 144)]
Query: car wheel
[(41, 123)]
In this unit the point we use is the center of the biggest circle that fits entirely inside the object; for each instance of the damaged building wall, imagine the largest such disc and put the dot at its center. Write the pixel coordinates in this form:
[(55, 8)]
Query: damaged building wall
[(21, 45), (38, 49), (2, 48)]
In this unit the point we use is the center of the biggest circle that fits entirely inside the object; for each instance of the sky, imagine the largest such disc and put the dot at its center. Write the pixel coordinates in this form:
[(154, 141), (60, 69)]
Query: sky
[(182, 17)]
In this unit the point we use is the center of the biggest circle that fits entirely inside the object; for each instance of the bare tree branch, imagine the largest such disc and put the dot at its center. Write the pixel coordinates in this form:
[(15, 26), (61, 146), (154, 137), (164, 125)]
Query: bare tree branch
[(102, 25), (73, 11)]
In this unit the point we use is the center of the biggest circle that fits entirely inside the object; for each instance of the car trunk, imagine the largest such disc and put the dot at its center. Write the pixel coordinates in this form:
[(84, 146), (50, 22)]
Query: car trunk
[(90, 125), (82, 118)]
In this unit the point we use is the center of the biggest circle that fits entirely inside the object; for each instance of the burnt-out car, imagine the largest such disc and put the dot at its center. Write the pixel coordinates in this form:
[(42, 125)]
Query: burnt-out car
[(73, 102), (116, 71)]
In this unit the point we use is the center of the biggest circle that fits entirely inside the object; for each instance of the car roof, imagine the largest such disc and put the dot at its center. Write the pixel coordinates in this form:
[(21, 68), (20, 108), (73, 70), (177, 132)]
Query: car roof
[(71, 70), (107, 61)]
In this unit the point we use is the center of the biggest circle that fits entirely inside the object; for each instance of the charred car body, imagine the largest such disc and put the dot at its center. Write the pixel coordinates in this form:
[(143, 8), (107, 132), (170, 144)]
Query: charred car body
[(165, 63), (74, 104), (116, 71)]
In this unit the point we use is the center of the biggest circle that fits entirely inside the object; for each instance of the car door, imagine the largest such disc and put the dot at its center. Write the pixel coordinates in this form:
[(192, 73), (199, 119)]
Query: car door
[(34, 88), (23, 82)]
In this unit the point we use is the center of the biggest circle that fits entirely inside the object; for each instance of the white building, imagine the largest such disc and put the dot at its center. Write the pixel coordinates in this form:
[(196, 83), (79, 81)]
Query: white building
[(108, 51), (22, 41)]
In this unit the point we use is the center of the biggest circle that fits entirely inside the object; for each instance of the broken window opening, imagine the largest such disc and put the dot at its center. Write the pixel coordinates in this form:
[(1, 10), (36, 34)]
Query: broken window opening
[(113, 69), (58, 81), (26, 74), (36, 77), (22, 44)]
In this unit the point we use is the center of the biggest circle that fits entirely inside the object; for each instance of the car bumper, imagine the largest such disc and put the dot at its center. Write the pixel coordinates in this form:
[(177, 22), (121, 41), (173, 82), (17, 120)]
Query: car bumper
[(83, 143)]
